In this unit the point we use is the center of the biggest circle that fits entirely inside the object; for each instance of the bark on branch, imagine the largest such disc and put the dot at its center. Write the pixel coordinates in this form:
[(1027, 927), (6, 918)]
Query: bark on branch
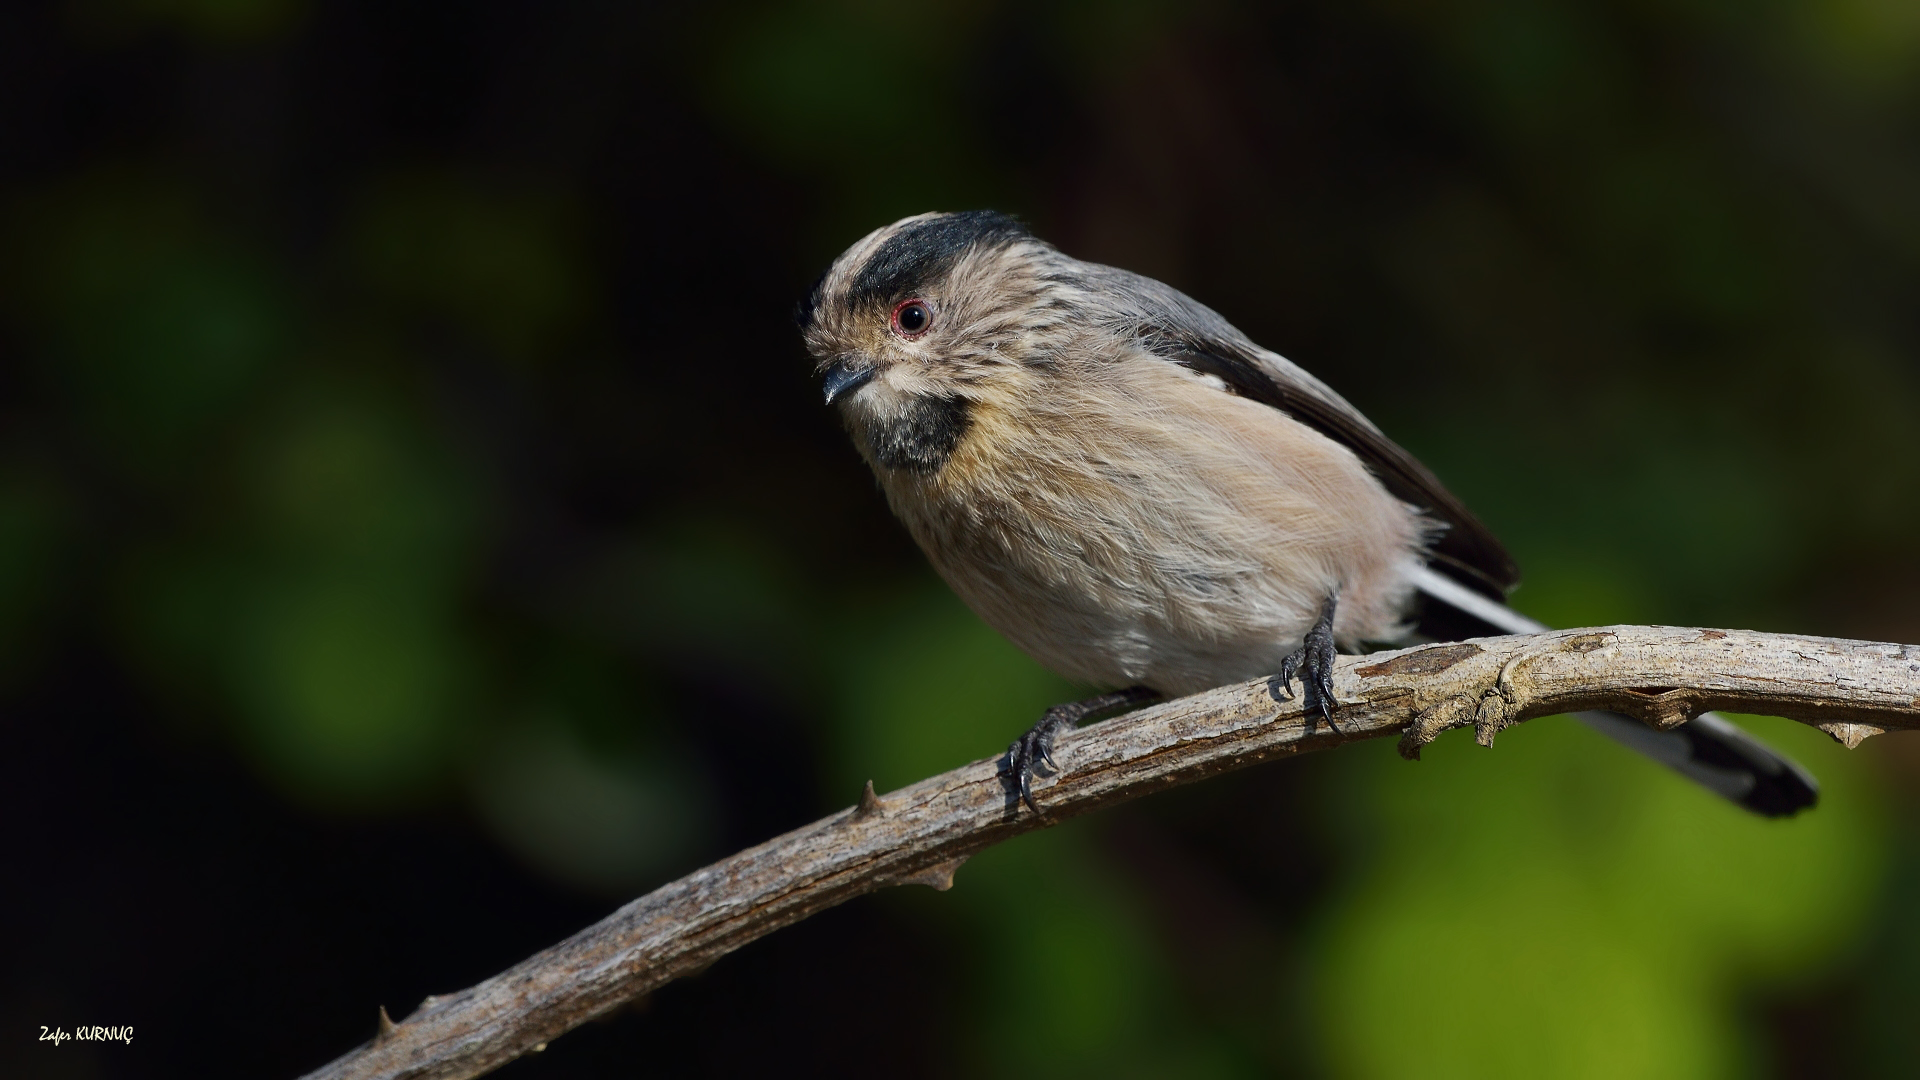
[(921, 834)]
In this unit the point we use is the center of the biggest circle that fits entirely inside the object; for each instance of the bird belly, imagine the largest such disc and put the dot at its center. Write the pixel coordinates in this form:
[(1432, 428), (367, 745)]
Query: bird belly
[(1173, 558)]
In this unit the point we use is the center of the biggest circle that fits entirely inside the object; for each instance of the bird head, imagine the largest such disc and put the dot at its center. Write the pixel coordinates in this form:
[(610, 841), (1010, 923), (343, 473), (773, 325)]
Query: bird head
[(933, 306)]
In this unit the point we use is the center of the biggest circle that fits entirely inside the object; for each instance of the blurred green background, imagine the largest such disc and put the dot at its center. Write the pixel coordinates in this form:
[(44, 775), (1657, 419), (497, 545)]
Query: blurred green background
[(419, 531)]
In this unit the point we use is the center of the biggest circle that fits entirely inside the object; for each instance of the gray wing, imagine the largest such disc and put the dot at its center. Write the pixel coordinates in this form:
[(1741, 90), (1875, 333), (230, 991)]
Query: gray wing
[(1469, 571), (1174, 326)]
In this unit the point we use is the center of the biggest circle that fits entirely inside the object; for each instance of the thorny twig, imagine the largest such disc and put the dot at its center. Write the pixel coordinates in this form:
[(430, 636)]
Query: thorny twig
[(921, 834)]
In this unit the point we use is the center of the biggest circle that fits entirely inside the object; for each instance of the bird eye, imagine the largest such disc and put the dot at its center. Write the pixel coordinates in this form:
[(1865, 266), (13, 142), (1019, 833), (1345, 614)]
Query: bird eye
[(911, 318)]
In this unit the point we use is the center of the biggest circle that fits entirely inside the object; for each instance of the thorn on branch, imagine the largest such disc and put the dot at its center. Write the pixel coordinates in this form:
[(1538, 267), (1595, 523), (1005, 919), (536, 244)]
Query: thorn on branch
[(384, 1027), (869, 804), (938, 877), (1851, 735)]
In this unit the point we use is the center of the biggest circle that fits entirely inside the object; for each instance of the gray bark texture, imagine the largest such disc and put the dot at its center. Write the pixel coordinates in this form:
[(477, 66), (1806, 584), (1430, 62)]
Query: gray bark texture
[(919, 835)]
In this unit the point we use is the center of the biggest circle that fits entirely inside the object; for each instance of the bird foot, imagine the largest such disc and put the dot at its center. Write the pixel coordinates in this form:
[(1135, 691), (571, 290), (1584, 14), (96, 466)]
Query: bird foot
[(1313, 662), (1035, 748)]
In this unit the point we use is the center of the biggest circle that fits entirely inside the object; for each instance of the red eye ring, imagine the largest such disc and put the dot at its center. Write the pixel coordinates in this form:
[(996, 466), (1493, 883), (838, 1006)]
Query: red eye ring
[(912, 318)]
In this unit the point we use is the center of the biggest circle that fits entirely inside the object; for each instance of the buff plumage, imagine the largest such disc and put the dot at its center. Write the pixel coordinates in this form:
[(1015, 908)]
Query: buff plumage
[(1138, 496), (1122, 517)]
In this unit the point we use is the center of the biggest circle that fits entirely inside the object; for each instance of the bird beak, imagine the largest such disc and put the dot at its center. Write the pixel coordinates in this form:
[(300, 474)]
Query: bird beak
[(845, 375)]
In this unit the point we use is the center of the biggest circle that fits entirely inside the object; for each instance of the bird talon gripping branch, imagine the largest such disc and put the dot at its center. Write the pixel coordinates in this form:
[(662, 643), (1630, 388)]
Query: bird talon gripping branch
[(1313, 661), (1133, 492), (1036, 746)]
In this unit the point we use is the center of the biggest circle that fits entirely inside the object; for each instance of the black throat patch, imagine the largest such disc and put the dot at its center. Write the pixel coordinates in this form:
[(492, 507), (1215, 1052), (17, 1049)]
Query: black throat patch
[(924, 437)]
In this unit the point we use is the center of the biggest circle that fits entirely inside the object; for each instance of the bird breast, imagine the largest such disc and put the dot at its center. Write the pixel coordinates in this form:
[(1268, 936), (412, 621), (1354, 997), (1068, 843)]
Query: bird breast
[(1127, 522)]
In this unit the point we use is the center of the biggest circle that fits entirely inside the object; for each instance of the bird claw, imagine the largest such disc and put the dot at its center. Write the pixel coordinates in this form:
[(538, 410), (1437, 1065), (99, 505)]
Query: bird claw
[(1313, 662), (1033, 748), (1036, 746)]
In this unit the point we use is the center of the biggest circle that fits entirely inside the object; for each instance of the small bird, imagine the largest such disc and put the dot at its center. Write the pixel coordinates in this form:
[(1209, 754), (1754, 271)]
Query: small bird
[(1140, 497)]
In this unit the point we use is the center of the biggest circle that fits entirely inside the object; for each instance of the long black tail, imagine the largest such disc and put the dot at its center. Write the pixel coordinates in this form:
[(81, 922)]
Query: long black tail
[(1709, 749)]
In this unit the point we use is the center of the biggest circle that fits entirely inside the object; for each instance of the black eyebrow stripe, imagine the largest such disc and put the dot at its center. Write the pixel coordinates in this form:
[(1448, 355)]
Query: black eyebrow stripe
[(919, 253)]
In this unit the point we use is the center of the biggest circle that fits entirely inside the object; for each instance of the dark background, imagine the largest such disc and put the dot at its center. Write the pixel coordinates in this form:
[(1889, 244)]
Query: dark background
[(419, 531)]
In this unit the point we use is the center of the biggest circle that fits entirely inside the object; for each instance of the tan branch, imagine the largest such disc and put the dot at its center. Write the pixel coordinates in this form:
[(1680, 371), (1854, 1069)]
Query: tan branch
[(921, 834)]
